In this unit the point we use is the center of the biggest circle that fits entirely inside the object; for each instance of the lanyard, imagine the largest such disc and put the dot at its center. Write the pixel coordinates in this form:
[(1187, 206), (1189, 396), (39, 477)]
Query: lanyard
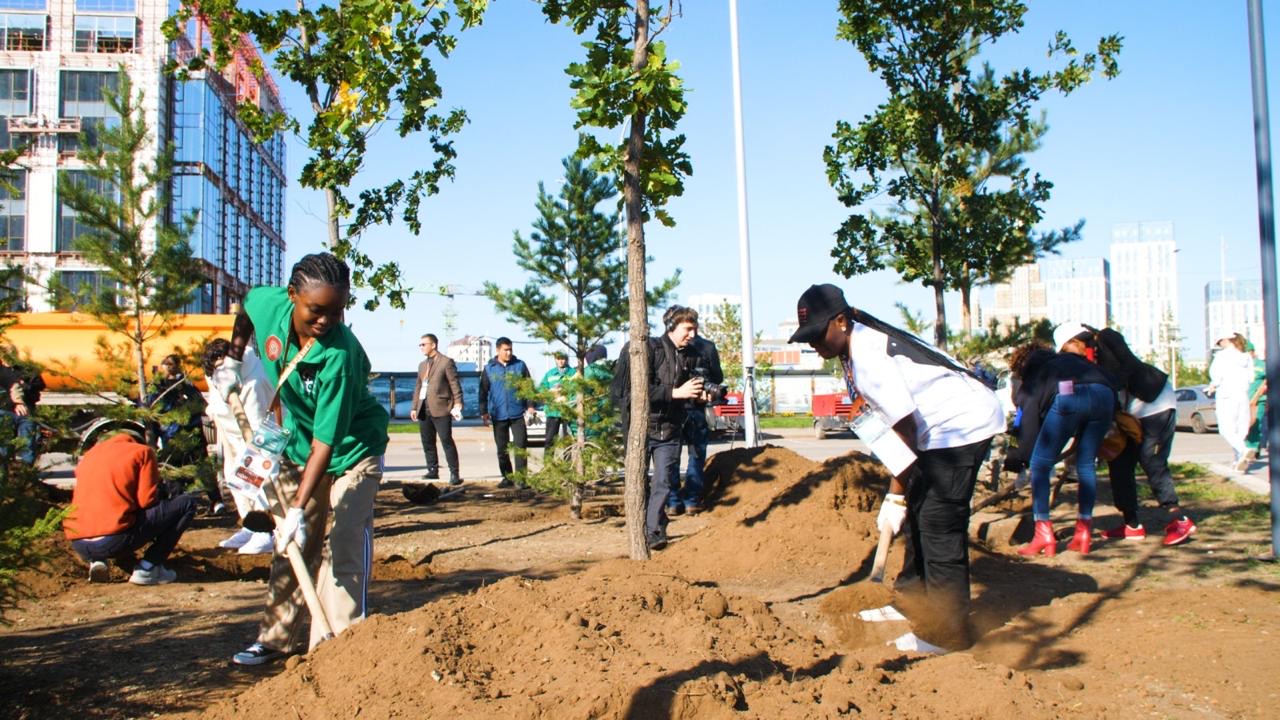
[(274, 407)]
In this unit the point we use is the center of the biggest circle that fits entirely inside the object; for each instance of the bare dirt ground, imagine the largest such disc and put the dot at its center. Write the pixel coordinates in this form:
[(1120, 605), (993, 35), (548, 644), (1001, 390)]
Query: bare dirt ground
[(499, 605)]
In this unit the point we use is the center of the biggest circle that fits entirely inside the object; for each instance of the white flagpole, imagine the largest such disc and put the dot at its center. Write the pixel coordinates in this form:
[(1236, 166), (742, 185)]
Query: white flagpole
[(744, 245)]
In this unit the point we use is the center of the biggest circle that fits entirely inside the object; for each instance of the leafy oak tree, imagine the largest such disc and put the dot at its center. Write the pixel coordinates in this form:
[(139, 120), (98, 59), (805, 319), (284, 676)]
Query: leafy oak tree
[(577, 253), (628, 79), (149, 270), (922, 146), (361, 64)]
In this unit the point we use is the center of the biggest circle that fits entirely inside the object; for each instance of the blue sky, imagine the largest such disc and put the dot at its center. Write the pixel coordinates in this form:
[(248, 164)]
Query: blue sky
[(1169, 139)]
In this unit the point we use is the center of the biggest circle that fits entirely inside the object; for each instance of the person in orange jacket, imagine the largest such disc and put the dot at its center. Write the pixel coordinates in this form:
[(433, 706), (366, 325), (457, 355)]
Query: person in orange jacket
[(117, 507)]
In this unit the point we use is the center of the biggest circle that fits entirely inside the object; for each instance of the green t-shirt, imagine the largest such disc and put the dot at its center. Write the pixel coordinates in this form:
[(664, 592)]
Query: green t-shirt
[(327, 396), (552, 379)]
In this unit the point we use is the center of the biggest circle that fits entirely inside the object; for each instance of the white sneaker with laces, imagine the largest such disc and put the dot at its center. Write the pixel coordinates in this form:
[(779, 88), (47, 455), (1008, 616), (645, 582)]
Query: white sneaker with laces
[(99, 572), (256, 654), (241, 536), (157, 575), (263, 542), (911, 643)]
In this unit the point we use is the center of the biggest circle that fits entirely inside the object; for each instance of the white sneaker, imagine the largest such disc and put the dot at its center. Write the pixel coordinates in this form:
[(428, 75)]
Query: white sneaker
[(99, 572), (888, 613), (157, 575), (911, 643), (241, 536), (262, 542)]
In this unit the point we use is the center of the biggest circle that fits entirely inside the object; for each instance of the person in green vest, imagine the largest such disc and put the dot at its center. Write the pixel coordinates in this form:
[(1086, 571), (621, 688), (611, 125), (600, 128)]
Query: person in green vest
[(551, 383), (1256, 440), (332, 462)]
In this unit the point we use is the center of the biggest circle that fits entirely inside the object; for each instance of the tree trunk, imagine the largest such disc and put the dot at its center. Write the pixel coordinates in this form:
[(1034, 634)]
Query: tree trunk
[(939, 286), (331, 200), (638, 428), (966, 312), (140, 351), (580, 444)]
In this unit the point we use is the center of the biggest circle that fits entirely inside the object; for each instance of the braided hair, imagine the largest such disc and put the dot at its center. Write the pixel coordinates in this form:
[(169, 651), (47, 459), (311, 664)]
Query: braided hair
[(214, 351), (320, 269)]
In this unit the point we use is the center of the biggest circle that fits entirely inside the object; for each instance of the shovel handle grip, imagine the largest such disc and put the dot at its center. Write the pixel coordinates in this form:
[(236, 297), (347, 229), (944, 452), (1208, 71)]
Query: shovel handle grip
[(882, 556)]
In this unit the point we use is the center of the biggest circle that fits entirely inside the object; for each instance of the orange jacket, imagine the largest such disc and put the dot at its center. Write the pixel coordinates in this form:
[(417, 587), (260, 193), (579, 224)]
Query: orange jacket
[(114, 480)]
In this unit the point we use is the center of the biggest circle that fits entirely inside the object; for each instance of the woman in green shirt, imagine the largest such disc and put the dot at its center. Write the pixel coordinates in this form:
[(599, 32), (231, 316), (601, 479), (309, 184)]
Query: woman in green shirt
[(333, 459)]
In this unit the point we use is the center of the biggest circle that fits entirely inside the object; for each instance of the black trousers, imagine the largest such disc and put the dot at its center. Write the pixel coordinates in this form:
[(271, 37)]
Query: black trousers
[(555, 426), (1153, 454), (162, 523), (505, 432), (428, 429), (664, 456), (938, 510)]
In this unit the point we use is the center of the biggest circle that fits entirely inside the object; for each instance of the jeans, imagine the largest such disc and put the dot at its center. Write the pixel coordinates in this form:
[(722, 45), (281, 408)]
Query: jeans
[(505, 431), (163, 522), (941, 487), (1153, 454), (664, 455), (24, 434), (1086, 414), (428, 428), (694, 435)]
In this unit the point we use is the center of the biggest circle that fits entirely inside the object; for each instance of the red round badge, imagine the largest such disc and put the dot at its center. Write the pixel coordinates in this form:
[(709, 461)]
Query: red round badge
[(274, 348)]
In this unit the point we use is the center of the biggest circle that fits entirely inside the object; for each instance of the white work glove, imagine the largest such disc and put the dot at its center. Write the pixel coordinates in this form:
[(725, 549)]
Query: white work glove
[(225, 379), (893, 512), (456, 413), (291, 528)]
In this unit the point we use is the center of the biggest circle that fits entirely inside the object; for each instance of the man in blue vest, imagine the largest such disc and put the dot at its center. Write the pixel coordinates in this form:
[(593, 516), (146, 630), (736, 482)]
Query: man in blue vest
[(504, 410)]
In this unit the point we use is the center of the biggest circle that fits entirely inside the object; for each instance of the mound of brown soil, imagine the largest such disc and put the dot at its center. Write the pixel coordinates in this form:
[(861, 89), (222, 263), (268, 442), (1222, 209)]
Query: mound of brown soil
[(779, 518)]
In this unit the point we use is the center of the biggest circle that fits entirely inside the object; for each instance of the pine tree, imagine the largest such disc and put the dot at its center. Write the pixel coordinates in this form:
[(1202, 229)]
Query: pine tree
[(575, 252), (148, 268)]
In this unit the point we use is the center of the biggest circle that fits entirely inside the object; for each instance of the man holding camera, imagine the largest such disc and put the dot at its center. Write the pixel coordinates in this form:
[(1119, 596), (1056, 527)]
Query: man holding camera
[(702, 356), (671, 385)]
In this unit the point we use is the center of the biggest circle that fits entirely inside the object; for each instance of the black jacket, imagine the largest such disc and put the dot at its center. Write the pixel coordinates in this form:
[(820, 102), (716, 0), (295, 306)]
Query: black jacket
[(668, 370), (1039, 388)]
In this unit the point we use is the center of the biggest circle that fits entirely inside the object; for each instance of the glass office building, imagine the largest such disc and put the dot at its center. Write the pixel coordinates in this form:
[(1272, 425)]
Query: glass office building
[(56, 59)]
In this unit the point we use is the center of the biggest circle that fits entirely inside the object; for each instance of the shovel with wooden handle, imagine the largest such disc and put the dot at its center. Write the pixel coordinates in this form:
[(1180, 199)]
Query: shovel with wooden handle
[(882, 556), (261, 522)]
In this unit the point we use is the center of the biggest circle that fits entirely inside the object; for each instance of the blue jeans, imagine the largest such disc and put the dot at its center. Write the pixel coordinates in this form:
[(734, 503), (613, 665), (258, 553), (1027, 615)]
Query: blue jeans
[(694, 435), (24, 432), (1086, 415)]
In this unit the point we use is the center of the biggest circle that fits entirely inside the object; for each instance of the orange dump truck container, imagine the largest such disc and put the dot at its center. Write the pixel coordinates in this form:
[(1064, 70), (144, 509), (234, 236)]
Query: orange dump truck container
[(67, 343)]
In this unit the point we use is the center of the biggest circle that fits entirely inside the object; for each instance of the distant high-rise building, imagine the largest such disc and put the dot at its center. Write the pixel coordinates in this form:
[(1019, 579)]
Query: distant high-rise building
[(1022, 298), (476, 349), (1144, 286), (56, 59), (1234, 307), (1077, 289)]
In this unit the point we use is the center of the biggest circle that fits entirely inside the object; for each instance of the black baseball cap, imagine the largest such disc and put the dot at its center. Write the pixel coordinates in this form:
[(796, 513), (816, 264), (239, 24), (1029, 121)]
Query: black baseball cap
[(817, 306)]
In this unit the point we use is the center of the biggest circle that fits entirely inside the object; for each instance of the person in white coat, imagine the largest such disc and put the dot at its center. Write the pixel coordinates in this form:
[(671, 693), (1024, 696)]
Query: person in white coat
[(255, 395), (1230, 373)]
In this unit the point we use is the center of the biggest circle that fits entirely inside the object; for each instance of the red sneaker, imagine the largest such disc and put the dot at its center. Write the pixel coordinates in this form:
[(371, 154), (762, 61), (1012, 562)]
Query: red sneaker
[(1178, 531), (1124, 532)]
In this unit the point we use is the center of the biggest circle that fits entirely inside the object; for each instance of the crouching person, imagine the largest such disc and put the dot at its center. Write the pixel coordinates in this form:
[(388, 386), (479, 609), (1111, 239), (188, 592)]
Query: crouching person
[(116, 508), (930, 421)]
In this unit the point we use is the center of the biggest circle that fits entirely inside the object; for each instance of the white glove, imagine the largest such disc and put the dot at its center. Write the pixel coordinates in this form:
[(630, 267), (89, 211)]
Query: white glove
[(456, 413), (225, 379), (893, 512), (291, 528)]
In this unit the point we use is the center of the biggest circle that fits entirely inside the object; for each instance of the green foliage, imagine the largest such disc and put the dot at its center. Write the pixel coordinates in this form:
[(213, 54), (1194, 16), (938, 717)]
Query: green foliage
[(576, 252), (21, 548), (609, 91), (148, 284), (1188, 375), (944, 131), (724, 329), (993, 346), (361, 64)]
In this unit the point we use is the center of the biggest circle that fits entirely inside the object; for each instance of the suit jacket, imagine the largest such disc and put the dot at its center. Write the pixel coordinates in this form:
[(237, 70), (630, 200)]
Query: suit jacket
[(443, 389)]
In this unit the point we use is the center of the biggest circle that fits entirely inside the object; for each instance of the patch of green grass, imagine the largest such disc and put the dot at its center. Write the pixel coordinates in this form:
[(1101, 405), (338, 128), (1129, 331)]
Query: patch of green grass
[(1188, 470), (402, 427), (1215, 492), (786, 421)]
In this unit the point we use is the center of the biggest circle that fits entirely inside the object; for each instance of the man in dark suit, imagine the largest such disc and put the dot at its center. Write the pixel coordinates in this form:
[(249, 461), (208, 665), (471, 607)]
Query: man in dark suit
[(437, 404)]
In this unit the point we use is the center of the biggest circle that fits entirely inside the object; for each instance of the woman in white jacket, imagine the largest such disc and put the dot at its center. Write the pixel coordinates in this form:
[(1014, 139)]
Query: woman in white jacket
[(255, 395), (1229, 376)]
